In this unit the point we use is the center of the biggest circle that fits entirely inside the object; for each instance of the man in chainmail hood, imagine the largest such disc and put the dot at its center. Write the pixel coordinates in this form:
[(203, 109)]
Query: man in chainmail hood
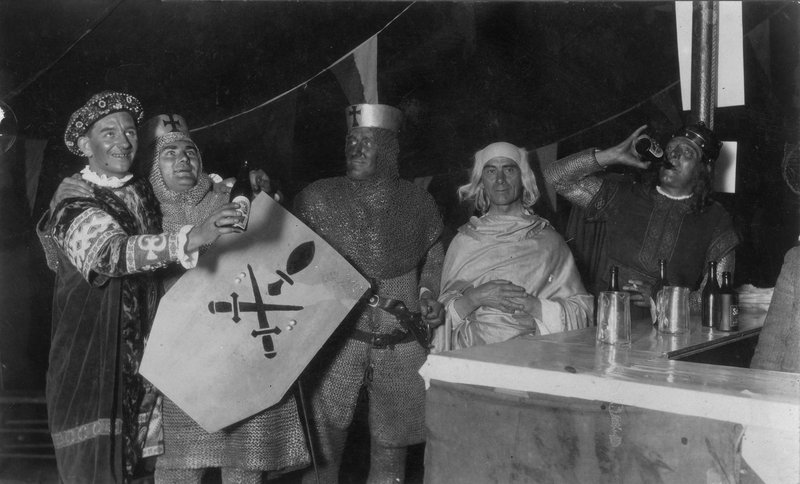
[(389, 229), (271, 440)]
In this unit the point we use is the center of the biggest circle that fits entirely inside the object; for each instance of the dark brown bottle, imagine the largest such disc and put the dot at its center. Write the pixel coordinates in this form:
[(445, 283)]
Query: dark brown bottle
[(649, 150), (613, 284), (661, 281), (729, 305), (242, 194), (710, 298)]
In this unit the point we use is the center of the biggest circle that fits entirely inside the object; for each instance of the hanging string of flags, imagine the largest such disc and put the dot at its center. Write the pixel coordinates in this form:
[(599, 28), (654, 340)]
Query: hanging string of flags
[(100, 18), (365, 58), (356, 72)]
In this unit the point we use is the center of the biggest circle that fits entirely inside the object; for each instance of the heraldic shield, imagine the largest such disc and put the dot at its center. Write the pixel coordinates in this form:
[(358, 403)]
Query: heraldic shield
[(233, 334)]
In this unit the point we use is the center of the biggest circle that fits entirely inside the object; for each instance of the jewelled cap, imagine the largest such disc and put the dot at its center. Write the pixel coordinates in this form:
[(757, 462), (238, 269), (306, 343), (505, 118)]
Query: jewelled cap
[(374, 116), (99, 106), (703, 137)]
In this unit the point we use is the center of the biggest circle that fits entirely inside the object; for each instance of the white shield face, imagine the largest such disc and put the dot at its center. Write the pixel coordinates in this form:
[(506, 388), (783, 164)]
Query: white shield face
[(234, 333)]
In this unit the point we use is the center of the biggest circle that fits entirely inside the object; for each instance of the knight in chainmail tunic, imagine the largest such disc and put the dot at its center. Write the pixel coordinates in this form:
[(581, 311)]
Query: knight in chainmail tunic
[(389, 230), (675, 219), (270, 441)]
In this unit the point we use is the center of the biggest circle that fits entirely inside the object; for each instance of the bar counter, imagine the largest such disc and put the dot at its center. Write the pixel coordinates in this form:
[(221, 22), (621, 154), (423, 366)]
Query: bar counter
[(644, 336), (564, 408)]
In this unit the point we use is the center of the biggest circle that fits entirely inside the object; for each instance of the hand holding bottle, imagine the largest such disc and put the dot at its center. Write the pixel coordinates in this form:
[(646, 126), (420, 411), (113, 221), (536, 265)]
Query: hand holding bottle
[(623, 153), (242, 195), (222, 221)]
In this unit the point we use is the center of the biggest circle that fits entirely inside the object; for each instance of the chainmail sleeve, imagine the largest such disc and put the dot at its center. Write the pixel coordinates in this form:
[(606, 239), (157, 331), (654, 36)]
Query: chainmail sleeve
[(431, 273), (304, 207), (570, 176)]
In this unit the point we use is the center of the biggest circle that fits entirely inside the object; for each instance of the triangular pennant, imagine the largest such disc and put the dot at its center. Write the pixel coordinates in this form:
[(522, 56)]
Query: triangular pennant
[(347, 74), (366, 60), (357, 73), (759, 41), (663, 101), (546, 155), (34, 155)]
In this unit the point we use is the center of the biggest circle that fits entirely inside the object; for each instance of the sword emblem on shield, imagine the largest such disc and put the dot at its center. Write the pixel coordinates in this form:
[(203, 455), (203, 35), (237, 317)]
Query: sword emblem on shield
[(298, 259)]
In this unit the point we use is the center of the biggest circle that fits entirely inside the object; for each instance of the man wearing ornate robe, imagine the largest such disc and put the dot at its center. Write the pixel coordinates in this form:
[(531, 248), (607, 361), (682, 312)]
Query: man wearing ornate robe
[(104, 249)]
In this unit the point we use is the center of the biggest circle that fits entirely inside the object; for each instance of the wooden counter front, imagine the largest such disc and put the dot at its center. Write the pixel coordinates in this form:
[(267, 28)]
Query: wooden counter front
[(573, 367)]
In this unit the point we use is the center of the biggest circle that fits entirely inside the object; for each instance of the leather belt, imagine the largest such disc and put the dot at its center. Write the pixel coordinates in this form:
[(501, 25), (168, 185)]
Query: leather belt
[(383, 340)]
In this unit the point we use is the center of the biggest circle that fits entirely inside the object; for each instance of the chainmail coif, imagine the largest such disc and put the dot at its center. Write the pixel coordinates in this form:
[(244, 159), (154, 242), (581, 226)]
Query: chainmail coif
[(183, 208), (383, 225)]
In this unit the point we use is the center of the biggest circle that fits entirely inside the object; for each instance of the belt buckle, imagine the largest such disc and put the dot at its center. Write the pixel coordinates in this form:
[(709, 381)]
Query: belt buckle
[(373, 300), (378, 342)]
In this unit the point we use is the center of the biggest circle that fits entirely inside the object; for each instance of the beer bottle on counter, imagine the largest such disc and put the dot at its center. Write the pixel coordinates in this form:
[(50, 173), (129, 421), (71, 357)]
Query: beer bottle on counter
[(242, 194), (649, 150), (710, 298), (729, 305), (661, 281), (613, 284)]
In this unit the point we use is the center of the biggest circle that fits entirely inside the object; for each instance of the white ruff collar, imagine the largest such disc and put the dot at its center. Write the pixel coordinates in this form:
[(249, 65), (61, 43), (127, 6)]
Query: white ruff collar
[(103, 180), (673, 197)]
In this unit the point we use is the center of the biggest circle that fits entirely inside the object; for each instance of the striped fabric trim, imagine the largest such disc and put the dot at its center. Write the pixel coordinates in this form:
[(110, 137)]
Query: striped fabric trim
[(172, 244), (130, 255), (85, 432)]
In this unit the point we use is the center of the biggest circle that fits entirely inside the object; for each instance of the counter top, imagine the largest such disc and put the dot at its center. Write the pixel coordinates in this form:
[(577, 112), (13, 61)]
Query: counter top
[(573, 364), (644, 336)]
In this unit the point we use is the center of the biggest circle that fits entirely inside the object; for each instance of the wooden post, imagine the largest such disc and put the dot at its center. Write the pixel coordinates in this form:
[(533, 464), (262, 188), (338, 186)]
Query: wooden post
[(705, 42)]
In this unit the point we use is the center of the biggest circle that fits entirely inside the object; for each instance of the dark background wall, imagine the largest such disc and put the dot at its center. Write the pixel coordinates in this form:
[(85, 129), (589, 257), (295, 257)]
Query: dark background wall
[(465, 74)]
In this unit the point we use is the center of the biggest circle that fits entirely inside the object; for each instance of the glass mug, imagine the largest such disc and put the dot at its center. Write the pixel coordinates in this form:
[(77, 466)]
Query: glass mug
[(672, 310), (614, 318)]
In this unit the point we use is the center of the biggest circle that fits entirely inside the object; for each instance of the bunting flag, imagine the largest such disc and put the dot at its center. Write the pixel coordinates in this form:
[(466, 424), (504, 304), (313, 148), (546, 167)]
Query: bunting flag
[(546, 155), (759, 41), (357, 73), (34, 155), (664, 103), (725, 168)]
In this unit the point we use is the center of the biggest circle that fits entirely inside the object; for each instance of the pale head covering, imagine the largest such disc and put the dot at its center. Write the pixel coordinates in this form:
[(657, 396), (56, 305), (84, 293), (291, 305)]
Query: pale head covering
[(374, 116), (501, 149), (473, 190)]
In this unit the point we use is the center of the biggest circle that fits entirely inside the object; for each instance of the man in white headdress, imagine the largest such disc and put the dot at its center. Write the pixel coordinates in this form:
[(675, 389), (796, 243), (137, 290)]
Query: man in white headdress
[(508, 272)]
